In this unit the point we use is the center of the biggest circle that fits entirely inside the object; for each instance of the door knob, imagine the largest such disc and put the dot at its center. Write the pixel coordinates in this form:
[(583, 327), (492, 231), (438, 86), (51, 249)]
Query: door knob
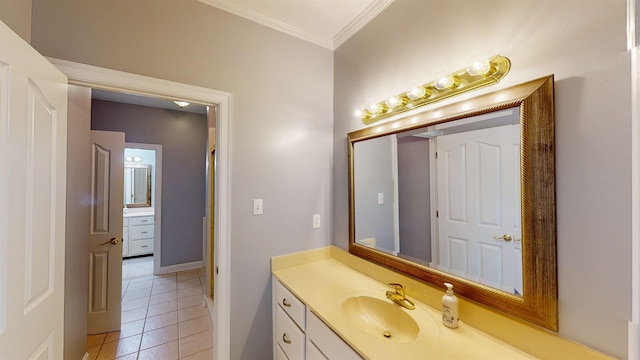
[(113, 241), (505, 237)]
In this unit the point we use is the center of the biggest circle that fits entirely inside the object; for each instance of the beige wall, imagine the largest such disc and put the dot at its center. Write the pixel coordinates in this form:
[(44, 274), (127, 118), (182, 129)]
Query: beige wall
[(583, 44), (281, 128), (17, 15)]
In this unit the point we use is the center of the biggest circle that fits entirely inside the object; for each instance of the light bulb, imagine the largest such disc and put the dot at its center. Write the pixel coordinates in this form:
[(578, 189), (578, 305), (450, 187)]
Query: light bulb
[(479, 66), (444, 81), (128, 158), (358, 113), (417, 92), (394, 102), (137, 159), (374, 108)]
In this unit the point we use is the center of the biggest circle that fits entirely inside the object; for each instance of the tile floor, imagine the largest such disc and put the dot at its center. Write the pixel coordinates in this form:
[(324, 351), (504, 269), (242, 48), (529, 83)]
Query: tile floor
[(163, 317)]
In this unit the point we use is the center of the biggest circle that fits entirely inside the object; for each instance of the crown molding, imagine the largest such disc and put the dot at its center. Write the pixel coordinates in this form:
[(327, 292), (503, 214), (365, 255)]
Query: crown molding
[(329, 43), (373, 10)]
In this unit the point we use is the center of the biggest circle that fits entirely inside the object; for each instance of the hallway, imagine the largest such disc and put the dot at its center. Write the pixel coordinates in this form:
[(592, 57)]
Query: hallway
[(163, 317)]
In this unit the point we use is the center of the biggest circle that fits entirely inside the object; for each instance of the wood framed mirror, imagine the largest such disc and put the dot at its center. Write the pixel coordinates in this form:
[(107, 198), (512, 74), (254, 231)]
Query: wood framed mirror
[(464, 193), (137, 185)]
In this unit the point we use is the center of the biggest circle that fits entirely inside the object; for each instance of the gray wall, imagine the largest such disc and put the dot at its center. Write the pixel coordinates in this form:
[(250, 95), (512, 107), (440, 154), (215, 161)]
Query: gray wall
[(183, 137), (374, 175), (583, 43), (76, 279), (414, 198), (17, 15), (281, 128)]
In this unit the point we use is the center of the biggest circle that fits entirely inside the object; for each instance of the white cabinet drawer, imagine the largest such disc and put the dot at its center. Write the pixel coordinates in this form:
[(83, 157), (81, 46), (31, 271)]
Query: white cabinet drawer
[(141, 220), (125, 241), (330, 344), (280, 353), (140, 232), (137, 247), (289, 336), (125, 221), (289, 303)]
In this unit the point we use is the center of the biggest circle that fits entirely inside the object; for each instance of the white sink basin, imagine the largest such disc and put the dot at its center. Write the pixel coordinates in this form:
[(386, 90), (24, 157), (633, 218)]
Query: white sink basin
[(381, 318)]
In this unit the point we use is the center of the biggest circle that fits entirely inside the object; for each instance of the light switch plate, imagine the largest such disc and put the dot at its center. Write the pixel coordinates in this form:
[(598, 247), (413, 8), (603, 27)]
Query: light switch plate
[(257, 207), (380, 198), (316, 221)]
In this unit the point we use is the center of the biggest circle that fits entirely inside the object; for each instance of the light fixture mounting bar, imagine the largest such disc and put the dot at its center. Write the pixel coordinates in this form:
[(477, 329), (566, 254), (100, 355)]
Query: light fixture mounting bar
[(459, 82)]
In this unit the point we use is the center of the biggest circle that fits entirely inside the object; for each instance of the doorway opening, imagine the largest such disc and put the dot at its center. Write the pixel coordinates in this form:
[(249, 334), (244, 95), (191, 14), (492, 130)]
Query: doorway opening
[(121, 82)]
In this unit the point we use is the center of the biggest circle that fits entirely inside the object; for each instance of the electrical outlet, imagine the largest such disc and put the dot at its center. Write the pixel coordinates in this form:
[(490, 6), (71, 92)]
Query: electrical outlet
[(316, 221)]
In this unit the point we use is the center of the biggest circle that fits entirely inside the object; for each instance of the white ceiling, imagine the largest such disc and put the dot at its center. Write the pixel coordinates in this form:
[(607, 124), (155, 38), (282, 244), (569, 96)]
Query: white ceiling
[(328, 23), (145, 101)]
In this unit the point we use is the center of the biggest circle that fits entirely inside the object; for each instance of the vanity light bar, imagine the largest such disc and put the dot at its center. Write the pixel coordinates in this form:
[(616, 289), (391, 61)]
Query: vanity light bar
[(482, 72)]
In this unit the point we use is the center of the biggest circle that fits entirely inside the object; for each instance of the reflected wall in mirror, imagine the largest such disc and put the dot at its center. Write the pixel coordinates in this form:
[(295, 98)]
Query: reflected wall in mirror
[(139, 178), (137, 185), (464, 193)]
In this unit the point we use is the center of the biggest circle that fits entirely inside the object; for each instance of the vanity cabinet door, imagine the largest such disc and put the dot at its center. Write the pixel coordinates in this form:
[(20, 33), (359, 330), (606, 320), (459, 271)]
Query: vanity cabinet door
[(329, 344), (125, 237), (289, 336), (313, 353)]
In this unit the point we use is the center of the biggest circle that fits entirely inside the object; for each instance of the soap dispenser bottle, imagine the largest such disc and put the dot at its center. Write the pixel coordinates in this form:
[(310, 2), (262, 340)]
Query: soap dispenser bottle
[(450, 308)]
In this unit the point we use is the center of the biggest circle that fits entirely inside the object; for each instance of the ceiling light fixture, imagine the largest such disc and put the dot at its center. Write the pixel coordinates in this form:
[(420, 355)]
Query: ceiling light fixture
[(482, 72), (182, 104)]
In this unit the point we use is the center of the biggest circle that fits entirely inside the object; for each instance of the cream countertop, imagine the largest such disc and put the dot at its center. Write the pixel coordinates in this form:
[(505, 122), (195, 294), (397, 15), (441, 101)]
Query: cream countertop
[(132, 213), (325, 283)]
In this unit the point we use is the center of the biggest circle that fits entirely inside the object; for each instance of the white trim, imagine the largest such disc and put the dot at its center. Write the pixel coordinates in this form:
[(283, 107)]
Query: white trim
[(86, 356), (373, 10), (396, 200), (101, 78), (179, 267), (633, 342), (333, 43)]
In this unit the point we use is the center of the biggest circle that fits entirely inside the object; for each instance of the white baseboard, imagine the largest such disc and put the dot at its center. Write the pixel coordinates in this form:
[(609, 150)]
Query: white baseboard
[(634, 341), (180, 267)]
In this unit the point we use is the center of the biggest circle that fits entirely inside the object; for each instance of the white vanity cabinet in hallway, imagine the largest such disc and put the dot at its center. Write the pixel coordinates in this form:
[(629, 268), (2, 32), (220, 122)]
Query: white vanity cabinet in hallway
[(137, 235), (300, 334)]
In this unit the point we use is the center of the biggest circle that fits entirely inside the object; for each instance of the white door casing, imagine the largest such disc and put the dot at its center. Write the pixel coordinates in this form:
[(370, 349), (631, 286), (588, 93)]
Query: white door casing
[(105, 233), (478, 179), (96, 77), (33, 145)]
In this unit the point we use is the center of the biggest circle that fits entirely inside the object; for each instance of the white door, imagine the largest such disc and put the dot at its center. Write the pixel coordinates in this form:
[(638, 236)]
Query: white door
[(105, 234), (33, 144), (479, 205)]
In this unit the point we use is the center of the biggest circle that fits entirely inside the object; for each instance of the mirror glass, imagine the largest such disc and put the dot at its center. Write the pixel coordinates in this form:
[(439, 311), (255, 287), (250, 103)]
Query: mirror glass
[(446, 196), (464, 193), (137, 185)]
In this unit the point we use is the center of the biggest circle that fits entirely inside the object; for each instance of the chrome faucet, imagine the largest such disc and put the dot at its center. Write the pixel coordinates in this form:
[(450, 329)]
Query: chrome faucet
[(398, 297)]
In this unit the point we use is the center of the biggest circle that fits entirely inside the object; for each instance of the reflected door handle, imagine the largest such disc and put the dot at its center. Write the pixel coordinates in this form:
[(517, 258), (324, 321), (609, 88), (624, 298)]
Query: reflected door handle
[(113, 241), (505, 237)]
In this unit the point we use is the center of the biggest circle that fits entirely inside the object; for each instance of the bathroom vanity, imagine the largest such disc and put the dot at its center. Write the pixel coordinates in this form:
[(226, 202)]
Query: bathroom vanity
[(325, 309), (137, 233)]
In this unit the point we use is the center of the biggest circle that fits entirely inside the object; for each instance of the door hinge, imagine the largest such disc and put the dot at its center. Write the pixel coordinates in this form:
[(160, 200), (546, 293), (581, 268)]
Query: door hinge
[(437, 213), (216, 270), (436, 155)]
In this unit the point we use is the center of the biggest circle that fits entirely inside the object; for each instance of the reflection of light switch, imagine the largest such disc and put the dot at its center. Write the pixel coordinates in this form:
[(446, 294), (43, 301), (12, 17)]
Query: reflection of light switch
[(380, 198), (257, 206)]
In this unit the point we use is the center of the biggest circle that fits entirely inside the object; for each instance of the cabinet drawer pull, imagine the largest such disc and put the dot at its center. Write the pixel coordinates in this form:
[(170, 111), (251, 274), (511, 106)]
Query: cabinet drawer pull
[(143, 232), (285, 338), (285, 303), (144, 246)]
